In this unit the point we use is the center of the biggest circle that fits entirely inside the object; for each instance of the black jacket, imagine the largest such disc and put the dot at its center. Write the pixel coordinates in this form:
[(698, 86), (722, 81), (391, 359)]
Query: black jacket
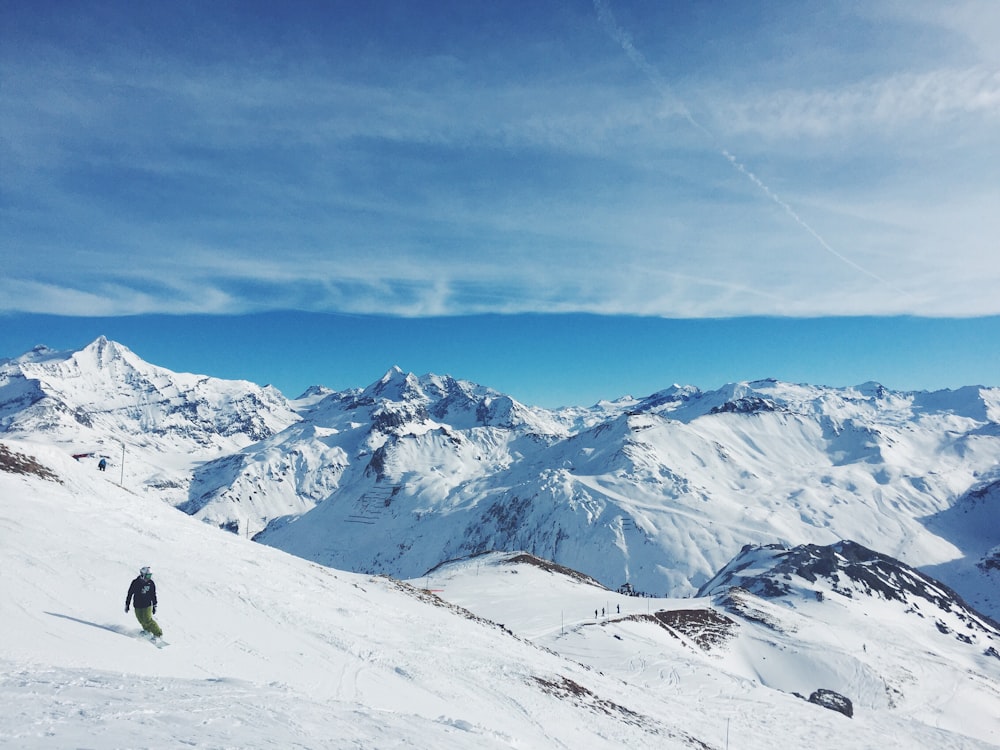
[(144, 592)]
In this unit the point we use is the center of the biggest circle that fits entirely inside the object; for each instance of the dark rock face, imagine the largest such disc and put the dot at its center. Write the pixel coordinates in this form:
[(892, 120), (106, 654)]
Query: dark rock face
[(749, 405), (991, 561), (391, 416), (17, 463), (851, 570), (705, 627), (833, 701), (871, 572)]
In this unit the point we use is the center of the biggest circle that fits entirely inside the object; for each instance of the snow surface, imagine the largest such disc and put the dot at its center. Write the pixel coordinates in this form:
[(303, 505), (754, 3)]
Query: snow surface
[(271, 651)]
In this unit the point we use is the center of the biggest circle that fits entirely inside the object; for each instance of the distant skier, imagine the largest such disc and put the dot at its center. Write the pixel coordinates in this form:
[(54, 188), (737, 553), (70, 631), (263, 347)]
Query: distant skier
[(142, 593), (103, 464)]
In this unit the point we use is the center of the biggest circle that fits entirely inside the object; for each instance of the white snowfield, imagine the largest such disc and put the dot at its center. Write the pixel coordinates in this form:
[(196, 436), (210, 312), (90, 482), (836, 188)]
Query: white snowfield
[(271, 651)]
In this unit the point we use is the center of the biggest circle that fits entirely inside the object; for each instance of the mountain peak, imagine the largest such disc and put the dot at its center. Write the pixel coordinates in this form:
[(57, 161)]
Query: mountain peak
[(393, 373), (104, 354), (396, 385), (104, 391), (103, 344)]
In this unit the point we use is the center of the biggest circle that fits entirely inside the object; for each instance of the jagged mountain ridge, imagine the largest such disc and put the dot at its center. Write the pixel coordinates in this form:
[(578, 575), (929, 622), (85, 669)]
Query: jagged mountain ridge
[(662, 491), (659, 491), (103, 397), (107, 384), (848, 570)]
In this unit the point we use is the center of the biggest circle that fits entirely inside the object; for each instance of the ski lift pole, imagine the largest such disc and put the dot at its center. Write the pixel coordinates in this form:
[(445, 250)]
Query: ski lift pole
[(122, 482)]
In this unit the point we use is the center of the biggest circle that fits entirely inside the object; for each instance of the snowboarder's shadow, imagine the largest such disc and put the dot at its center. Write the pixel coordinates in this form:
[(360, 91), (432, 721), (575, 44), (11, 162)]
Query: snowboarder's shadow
[(121, 630)]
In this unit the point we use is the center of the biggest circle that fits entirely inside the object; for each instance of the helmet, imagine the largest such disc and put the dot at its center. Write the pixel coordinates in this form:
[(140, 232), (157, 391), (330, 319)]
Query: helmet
[(145, 572)]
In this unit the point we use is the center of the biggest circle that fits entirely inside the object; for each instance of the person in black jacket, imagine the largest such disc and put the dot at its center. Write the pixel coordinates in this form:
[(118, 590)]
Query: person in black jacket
[(142, 593)]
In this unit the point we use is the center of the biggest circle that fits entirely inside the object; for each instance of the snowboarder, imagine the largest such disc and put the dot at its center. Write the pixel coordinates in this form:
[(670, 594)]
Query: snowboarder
[(142, 593), (103, 464)]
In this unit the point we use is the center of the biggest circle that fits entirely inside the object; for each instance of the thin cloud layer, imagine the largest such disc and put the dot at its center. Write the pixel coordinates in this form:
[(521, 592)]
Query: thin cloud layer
[(618, 158)]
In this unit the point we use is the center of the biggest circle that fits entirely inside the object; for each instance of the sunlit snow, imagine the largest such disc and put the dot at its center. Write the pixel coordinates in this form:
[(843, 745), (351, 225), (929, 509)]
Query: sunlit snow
[(267, 650)]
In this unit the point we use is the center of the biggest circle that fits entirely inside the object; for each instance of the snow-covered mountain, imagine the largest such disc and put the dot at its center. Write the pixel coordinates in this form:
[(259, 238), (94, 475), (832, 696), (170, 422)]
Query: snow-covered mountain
[(848, 570), (103, 401), (657, 492), (497, 651)]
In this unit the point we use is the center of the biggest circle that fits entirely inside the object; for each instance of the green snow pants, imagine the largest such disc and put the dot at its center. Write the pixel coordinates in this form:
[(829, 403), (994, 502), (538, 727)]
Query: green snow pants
[(145, 617)]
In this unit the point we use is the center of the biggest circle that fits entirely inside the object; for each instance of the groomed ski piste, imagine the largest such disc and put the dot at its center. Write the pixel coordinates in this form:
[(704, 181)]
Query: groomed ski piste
[(268, 650)]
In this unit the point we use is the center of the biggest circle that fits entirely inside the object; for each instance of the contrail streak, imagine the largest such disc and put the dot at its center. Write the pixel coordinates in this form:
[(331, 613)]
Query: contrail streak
[(616, 32), (801, 222)]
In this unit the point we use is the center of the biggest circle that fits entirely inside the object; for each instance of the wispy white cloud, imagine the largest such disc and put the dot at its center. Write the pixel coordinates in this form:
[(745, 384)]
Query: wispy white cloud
[(109, 298), (974, 23), (441, 183), (881, 109)]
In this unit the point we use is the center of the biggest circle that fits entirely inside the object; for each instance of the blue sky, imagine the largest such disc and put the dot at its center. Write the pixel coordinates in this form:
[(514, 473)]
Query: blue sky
[(673, 177)]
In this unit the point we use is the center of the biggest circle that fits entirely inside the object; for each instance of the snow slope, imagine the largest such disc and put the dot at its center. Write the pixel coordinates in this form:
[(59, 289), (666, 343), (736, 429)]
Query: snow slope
[(889, 659), (265, 649), (269, 650)]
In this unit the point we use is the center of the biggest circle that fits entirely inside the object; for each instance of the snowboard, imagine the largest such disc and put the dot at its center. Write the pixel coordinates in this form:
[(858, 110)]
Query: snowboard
[(146, 636)]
